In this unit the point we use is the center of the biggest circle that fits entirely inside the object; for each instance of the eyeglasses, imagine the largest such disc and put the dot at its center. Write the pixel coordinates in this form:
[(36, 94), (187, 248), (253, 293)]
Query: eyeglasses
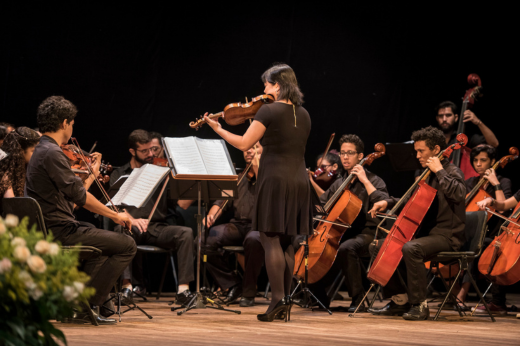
[(145, 151), (324, 166), (349, 153)]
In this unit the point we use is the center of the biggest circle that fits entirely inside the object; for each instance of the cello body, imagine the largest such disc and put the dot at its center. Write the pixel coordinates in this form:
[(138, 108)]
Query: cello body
[(402, 231), (479, 196), (324, 243)]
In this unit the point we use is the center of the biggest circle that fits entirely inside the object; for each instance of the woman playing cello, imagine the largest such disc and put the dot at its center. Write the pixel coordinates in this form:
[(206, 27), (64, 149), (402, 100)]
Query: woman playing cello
[(283, 205)]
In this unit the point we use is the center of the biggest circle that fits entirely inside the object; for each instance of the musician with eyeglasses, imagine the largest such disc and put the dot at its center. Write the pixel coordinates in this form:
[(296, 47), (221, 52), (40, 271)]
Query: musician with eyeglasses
[(369, 188)]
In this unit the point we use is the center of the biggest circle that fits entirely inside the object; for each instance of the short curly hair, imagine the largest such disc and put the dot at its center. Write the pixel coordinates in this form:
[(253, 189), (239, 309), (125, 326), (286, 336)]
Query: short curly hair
[(432, 136), (360, 146), (53, 111)]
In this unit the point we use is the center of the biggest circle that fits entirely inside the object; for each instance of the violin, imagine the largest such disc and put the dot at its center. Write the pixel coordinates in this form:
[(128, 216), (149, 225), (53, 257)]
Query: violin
[(408, 221), (478, 193), (320, 176), (158, 161), (79, 165), (324, 243), (461, 158), (500, 261), (237, 113)]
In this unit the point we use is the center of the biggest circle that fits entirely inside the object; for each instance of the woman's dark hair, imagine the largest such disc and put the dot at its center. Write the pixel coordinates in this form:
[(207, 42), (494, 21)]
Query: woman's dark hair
[(333, 157), (138, 136), (3, 132), (432, 136), (360, 146), (284, 75), (12, 167), (53, 111), (483, 148)]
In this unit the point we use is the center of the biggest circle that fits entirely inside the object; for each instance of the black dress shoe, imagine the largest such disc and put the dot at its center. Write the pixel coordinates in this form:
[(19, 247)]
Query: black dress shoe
[(84, 317), (126, 296), (184, 298), (417, 313), (391, 309), (356, 301), (234, 293), (140, 290), (247, 302)]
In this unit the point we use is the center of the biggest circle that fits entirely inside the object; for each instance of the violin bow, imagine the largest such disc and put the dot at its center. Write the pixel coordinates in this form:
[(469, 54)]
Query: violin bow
[(327, 149)]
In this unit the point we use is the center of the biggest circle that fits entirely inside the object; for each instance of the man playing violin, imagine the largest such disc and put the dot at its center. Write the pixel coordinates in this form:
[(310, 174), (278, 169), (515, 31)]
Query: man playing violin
[(157, 232), (237, 233), (51, 182), (369, 188), (483, 157), (157, 147), (442, 228)]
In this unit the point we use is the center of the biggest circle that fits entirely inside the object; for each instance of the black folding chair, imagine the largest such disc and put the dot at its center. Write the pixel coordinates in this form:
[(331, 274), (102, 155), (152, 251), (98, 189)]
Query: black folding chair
[(29, 207), (475, 231), (169, 258)]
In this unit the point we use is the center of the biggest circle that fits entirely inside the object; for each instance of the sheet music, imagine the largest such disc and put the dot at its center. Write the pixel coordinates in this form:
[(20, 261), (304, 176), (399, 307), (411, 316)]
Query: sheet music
[(140, 185), (214, 155), (185, 155)]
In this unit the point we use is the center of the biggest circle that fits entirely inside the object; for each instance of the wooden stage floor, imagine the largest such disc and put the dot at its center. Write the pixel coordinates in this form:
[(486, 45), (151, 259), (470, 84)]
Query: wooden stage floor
[(212, 327)]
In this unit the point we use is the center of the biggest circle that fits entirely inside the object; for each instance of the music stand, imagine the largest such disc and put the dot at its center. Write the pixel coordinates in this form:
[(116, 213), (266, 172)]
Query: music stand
[(202, 188)]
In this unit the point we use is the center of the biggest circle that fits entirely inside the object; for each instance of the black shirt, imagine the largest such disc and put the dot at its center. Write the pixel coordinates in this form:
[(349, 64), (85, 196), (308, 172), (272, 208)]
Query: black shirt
[(245, 201), (364, 223), (505, 183), (159, 216), (50, 181), (447, 214), (517, 196)]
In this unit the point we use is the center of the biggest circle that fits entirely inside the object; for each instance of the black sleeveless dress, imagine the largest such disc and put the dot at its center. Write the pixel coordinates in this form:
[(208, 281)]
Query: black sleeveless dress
[(283, 196)]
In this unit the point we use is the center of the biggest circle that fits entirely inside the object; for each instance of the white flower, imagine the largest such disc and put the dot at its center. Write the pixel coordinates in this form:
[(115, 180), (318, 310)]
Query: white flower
[(11, 220), (5, 265), (36, 264), (21, 253), (54, 249), (2, 227), (17, 241), (42, 246), (69, 293), (26, 279), (79, 286), (36, 293)]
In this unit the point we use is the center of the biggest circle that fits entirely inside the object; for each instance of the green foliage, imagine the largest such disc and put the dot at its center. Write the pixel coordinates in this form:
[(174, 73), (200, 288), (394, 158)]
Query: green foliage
[(36, 290)]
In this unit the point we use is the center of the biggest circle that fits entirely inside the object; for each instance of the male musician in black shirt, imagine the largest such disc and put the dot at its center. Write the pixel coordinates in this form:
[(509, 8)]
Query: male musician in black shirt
[(369, 188), (442, 228), (157, 232), (235, 233), (52, 184)]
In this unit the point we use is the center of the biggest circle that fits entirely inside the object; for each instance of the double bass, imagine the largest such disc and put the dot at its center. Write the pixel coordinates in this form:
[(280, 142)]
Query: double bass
[(478, 193), (500, 261), (407, 222), (461, 158), (323, 245)]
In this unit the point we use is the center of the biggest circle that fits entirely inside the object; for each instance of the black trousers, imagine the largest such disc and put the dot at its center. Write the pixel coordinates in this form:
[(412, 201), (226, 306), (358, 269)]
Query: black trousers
[(176, 238), (118, 250), (349, 259), (412, 267), (234, 234)]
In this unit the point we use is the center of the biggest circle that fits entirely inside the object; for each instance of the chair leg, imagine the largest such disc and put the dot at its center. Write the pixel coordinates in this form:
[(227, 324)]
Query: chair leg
[(481, 297), (338, 277), (174, 272), (337, 289), (378, 292), (162, 278), (448, 294)]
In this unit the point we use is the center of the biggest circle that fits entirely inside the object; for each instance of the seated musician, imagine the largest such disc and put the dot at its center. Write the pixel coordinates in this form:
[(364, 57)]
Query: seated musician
[(158, 232), (369, 188), (442, 228), (237, 233), (51, 182), (483, 157), (331, 164), (497, 304)]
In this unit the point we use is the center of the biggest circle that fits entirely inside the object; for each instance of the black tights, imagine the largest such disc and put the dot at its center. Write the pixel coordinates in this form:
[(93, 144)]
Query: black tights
[(279, 263)]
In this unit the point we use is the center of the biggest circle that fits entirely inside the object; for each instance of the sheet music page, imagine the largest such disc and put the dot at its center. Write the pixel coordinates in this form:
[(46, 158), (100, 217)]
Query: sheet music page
[(185, 155), (215, 156), (139, 186)]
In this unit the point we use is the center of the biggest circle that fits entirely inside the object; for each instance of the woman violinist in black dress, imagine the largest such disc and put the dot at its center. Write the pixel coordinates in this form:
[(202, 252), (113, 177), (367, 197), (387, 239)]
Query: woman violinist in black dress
[(283, 205)]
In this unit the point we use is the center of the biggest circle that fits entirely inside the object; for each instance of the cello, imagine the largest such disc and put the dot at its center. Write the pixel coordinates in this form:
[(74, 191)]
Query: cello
[(323, 245), (461, 157), (478, 193), (407, 222), (500, 261)]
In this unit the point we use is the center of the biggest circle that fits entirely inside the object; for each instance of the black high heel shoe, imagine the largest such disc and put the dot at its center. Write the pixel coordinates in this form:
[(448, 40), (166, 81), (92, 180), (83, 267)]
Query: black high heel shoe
[(286, 314), (280, 308)]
